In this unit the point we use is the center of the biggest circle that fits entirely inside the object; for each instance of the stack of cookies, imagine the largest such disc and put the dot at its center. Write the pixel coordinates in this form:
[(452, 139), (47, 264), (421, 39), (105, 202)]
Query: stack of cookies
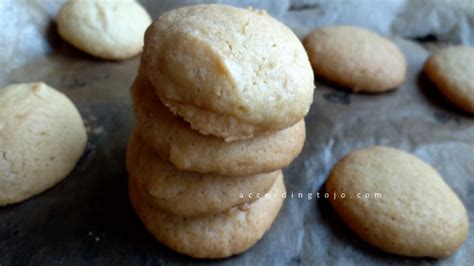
[(219, 101)]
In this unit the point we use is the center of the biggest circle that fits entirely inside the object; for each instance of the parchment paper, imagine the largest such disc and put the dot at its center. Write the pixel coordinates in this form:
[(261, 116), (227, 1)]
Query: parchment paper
[(87, 219)]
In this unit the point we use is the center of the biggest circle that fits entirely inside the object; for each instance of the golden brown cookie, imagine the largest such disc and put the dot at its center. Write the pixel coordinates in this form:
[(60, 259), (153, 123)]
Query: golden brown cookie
[(230, 72), (452, 71), (215, 236), (355, 58), (416, 213), (187, 193), (187, 149), (42, 136)]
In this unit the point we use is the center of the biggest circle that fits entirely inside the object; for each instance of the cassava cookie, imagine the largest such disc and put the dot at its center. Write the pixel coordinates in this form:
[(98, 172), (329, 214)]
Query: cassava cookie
[(417, 214), (42, 136), (215, 236), (355, 58), (452, 71), (187, 149), (108, 29), (229, 72), (187, 193)]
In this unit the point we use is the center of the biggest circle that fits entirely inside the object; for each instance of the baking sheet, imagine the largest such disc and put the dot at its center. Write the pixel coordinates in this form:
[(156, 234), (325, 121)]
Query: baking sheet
[(87, 219)]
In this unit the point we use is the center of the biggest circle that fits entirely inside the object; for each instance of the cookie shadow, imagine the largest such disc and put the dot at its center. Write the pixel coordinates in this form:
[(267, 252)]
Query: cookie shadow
[(348, 238), (436, 98), (337, 94), (59, 44), (52, 35), (325, 83)]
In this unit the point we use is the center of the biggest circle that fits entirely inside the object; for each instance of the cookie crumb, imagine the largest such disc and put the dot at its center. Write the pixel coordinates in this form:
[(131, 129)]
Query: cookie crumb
[(38, 89)]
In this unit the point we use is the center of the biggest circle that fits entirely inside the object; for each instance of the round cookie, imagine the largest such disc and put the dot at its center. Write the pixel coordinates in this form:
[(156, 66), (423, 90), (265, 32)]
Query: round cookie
[(215, 236), (230, 72), (185, 193), (417, 214), (42, 136), (452, 71), (110, 29), (187, 149), (355, 58)]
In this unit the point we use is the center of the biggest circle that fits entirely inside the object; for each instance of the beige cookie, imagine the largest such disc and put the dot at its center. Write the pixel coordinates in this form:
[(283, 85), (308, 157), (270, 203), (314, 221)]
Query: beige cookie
[(230, 72), (215, 236), (187, 149), (42, 136), (416, 213), (108, 29), (187, 193), (355, 58), (452, 71)]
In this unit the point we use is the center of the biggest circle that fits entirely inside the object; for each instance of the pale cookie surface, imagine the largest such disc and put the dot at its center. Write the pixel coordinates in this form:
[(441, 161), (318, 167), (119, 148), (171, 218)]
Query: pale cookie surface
[(187, 149), (215, 236), (187, 193), (42, 136), (230, 72), (417, 214), (355, 58), (108, 29), (452, 71)]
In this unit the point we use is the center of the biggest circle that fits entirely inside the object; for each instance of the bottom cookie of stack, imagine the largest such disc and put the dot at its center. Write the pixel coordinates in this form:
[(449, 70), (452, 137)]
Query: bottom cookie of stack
[(213, 236)]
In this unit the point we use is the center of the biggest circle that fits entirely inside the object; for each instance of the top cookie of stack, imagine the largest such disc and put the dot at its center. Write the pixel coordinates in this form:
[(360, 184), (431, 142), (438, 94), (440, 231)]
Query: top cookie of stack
[(229, 72)]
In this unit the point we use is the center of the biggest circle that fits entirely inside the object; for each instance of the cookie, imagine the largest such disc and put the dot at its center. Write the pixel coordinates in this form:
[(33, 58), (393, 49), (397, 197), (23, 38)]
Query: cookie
[(189, 150), (185, 193), (42, 136), (111, 29), (452, 71), (416, 213), (215, 236), (230, 72), (355, 58)]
